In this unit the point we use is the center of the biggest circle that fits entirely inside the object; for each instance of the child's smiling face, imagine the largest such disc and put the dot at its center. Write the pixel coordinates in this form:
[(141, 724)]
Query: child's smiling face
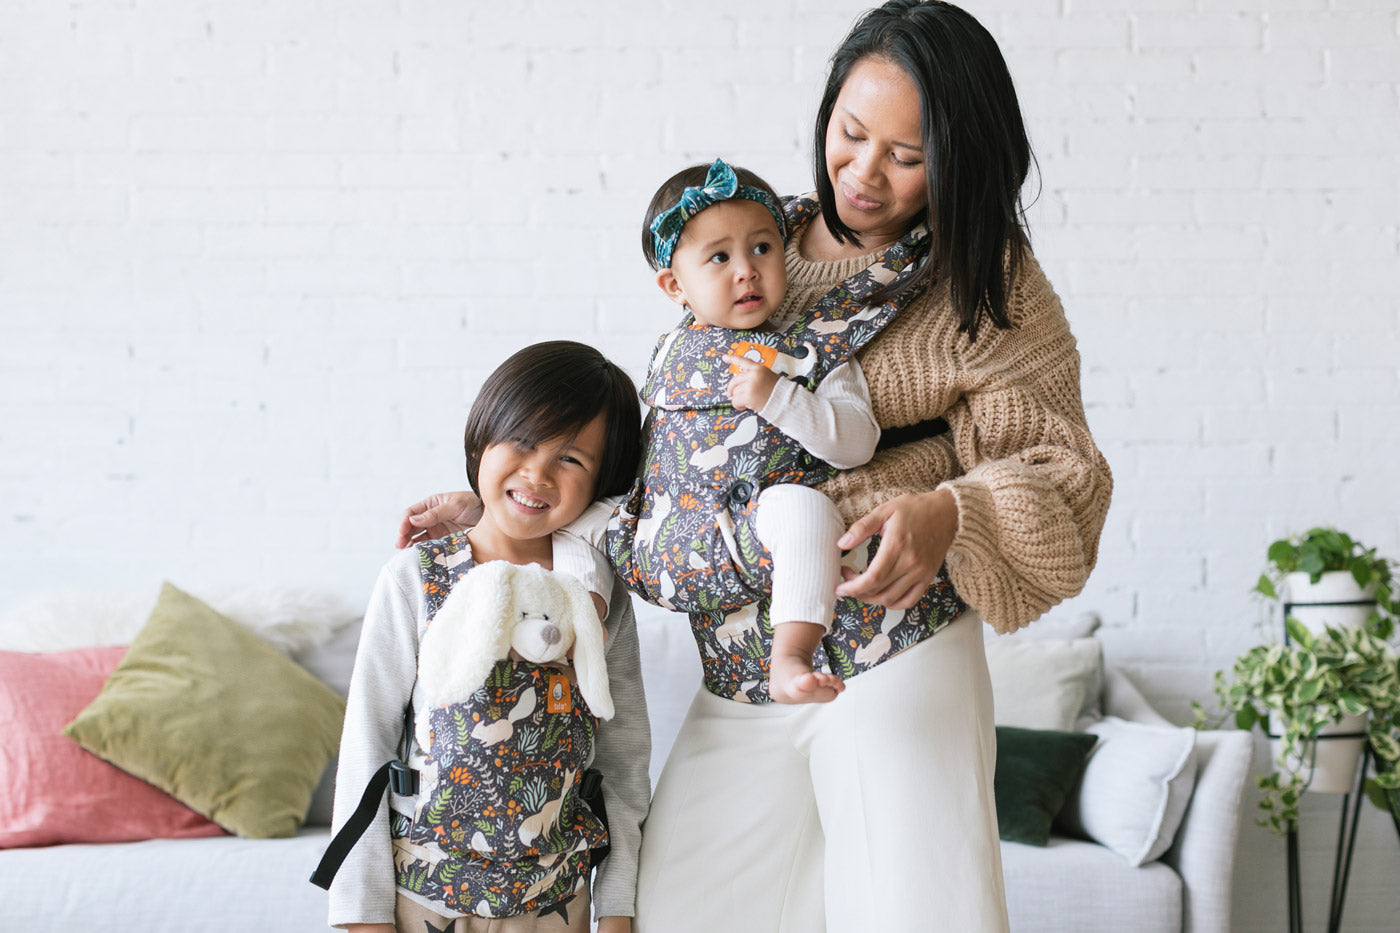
[(728, 268), (528, 493)]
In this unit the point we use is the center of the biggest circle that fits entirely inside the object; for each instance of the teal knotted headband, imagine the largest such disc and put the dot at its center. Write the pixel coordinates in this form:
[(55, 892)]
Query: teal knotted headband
[(721, 184)]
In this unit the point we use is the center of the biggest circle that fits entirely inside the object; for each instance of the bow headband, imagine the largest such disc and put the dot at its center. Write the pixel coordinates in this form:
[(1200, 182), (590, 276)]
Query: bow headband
[(721, 184)]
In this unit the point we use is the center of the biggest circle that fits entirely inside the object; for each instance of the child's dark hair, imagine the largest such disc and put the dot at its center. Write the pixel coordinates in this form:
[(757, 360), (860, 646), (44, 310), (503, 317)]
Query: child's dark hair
[(555, 388), (670, 192)]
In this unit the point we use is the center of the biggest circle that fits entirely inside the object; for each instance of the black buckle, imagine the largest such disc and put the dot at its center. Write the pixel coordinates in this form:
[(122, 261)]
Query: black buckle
[(403, 780)]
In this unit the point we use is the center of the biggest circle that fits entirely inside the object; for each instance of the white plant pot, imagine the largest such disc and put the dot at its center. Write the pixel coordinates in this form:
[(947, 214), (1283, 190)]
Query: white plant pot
[(1334, 755), (1333, 600)]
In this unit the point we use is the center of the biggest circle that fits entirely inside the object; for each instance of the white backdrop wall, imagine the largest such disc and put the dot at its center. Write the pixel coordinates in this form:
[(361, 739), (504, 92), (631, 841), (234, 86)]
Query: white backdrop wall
[(256, 258)]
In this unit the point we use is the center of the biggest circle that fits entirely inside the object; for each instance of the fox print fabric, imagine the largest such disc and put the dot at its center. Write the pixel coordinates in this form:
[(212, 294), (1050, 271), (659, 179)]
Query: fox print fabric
[(684, 537), (499, 827)]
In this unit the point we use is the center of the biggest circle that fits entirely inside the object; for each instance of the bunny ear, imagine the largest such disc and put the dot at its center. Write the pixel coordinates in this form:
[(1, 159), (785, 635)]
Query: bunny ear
[(590, 664), (467, 636)]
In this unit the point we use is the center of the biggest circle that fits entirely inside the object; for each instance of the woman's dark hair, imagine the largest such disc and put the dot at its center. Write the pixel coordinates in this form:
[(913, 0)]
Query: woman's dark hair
[(670, 192), (976, 153), (552, 389)]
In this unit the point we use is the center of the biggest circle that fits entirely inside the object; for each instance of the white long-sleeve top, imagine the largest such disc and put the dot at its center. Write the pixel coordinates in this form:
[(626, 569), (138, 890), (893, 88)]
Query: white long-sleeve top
[(386, 665), (835, 421)]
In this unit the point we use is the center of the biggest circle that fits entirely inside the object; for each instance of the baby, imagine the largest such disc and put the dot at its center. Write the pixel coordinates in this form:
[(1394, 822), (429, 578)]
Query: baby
[(736, 427)]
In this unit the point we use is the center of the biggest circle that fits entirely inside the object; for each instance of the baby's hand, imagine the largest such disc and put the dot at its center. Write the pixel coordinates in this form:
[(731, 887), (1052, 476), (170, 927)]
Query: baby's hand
[(751, 386)]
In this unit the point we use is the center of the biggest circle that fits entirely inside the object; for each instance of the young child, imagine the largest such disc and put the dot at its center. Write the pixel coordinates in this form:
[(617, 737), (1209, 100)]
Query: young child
[(553, 428), (741, 416)]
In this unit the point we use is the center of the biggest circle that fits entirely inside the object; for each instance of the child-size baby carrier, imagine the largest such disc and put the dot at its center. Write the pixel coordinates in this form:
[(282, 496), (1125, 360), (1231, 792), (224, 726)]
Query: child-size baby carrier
[(498, 824)]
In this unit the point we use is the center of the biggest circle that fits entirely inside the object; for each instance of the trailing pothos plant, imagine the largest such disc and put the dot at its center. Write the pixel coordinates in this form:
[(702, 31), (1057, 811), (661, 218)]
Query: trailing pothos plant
[(1316, 679)]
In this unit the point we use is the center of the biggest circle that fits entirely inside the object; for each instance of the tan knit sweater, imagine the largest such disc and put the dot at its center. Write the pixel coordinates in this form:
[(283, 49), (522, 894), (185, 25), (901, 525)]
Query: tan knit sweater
[(1032, 488)]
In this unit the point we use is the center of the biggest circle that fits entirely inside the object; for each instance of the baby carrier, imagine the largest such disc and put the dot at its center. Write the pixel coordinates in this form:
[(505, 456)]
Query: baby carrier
[(684, 536), (493, 813)]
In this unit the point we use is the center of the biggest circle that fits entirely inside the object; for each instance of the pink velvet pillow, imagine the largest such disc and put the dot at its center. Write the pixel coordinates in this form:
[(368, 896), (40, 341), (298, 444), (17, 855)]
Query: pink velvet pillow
[(51, 790)]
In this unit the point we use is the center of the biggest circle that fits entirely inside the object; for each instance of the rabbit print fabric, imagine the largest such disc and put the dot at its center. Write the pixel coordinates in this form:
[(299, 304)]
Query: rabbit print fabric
[(499, 827), (684, 537)]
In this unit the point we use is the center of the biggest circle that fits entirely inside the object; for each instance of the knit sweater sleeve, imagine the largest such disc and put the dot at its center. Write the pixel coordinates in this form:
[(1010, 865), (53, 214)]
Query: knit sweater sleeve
[(1032, 488)]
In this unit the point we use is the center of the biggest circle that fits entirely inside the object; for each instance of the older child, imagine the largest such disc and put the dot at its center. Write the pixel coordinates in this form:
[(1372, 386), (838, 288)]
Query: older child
[(551, 430), (742, 417)]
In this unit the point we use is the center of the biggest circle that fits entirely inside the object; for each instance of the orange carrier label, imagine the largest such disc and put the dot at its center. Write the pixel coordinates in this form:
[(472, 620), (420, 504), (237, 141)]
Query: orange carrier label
[(758, 352), (561, 698)]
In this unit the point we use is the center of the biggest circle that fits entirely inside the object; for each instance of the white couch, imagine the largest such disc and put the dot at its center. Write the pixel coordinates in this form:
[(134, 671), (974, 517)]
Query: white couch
[(227, 883)]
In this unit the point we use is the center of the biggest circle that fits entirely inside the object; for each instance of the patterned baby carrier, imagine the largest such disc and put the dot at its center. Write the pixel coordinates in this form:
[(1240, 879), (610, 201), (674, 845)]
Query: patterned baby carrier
[(499, 827), (684, 536)]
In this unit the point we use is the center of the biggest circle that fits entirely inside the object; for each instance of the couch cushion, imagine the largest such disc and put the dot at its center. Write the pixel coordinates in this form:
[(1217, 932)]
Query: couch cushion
[(1043, 684), (1071, 886), (1035, 770), (53, 791), (165, 885), (209, 712), (1135, 788)]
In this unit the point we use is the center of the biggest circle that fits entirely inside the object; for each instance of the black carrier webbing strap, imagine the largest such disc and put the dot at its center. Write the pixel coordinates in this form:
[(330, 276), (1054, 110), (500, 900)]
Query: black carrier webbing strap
[(396, 774), (353, 829)]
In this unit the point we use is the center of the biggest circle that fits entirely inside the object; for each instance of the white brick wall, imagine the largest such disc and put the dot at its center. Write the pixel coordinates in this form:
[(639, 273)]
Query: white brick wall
[(255, 259)]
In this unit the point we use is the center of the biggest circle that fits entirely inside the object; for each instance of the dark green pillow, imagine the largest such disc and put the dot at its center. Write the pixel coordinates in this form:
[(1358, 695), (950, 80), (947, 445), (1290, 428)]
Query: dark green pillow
[(1035, 770)]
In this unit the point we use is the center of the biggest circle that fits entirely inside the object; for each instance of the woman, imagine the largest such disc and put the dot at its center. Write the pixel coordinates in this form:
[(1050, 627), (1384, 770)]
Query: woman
[(875, 812)]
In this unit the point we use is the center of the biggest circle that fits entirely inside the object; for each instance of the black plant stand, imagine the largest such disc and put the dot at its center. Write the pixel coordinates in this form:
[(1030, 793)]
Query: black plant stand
[(1341, 865)]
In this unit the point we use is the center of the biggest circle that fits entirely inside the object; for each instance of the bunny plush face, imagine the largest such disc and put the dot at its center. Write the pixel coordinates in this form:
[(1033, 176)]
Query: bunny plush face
[(499, 606), (543, 634)]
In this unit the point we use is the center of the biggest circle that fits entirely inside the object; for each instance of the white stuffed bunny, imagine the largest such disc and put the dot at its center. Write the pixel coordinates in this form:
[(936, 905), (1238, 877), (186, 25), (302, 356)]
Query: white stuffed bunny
[(498, 606)]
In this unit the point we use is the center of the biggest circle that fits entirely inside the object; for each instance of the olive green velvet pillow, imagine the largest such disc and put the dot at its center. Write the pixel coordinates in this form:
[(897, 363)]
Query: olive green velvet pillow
[(1036, 768), (216, 717)]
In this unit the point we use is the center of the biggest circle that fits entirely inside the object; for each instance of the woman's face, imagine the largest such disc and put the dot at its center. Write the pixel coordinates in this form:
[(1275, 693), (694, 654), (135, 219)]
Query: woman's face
[(875, 153)]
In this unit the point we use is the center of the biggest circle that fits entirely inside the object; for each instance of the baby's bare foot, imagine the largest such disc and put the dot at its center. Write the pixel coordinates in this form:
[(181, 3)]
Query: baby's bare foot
[(791, 680)]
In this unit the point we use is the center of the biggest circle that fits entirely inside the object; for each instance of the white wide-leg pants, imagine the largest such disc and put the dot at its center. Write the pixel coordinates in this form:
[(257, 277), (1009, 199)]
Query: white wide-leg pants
[(872, 812)]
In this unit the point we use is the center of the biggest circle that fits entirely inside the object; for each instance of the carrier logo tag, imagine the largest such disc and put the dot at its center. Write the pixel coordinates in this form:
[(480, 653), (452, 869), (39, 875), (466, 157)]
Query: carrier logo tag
[(561, 699)]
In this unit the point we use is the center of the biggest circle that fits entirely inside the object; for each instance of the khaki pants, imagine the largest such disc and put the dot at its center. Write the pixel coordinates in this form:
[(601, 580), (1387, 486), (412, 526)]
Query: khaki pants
[(872, 812), (412, 917)]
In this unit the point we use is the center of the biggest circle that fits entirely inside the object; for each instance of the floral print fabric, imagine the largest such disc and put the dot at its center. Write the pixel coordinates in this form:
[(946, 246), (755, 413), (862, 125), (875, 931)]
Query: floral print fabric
[(684, 538), (499, 827)]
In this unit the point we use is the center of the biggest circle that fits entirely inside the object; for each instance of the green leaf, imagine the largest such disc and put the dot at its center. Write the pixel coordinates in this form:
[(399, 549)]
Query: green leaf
[(1298, 632), (1385, 745), (1377, 794), (1266, 586), (1282, 553), (1361, 571), (1246, 717)]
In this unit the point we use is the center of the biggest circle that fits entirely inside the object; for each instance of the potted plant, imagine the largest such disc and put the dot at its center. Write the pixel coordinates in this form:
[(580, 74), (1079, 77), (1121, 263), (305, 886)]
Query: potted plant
[(1327, 670), (1325, 577)]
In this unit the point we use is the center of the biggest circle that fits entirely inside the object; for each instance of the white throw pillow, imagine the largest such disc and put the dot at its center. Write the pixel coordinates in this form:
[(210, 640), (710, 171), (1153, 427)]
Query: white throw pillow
[(1135, 788), (1043, 684), (291, 618)]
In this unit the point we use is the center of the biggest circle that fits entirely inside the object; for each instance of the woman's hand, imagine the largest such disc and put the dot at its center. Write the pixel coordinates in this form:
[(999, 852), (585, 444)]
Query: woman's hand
[(435, 516), (370, 928), (915, 532), (614, 925)]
